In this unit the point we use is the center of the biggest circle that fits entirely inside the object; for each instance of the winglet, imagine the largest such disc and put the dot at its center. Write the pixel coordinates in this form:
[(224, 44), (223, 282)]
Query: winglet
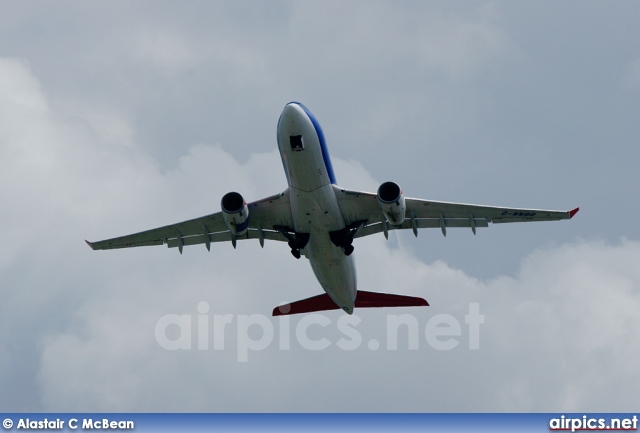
[(89, 243), (573, 212)]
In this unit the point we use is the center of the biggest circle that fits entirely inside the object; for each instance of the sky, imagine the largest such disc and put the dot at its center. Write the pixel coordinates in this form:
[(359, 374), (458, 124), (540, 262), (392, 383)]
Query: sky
[(117, 117)]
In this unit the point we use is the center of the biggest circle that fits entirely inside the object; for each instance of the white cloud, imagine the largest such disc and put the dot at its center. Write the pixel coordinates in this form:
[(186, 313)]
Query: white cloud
[(558, 335), (569, 322)]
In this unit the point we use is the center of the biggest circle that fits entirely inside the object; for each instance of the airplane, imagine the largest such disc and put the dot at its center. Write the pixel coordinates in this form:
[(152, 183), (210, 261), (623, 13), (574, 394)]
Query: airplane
[(320, 220)]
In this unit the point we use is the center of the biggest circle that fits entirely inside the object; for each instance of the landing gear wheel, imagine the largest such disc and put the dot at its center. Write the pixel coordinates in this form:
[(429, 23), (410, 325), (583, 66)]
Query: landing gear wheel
[(348, 250), (295, 253)]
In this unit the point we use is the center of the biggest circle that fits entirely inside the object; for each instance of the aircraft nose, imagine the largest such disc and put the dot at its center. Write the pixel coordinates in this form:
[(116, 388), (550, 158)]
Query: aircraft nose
[(292, 113), (292, 119)]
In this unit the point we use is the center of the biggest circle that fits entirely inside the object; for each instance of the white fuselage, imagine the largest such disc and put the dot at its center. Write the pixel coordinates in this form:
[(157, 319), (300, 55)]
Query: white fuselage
[(314, 206)]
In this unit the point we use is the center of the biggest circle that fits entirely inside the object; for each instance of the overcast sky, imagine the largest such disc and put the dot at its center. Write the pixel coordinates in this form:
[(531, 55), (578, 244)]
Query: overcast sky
[(121, 116)]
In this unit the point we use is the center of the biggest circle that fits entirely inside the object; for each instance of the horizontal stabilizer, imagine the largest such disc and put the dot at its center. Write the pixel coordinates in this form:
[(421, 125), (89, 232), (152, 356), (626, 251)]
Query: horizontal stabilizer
[(363, 300), (315, 303), (376, 300)]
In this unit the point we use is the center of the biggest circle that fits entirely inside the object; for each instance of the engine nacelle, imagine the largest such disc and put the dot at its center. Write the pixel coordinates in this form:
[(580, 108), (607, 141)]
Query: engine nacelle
[(235, 213), (391, 201)]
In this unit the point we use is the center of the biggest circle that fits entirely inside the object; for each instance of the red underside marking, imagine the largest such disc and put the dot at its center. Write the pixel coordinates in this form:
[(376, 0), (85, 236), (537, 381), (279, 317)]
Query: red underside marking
[(373, 300), (363, 300), (89, 243), (573, 212)]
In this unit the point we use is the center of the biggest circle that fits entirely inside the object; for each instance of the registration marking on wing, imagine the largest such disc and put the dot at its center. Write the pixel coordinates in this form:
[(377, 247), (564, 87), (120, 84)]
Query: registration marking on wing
[(518, 214)]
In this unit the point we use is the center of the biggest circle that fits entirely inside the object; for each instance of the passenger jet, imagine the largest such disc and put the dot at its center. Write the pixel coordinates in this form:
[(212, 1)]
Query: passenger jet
[(320, 220)]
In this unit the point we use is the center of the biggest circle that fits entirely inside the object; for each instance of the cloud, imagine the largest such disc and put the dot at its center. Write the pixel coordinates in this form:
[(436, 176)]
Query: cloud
[(78, 326), (570, 328), (434, 40)]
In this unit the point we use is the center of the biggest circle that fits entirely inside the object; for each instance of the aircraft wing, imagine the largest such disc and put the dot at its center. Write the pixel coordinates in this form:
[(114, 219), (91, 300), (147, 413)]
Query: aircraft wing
[(362, 209), (263, 216)]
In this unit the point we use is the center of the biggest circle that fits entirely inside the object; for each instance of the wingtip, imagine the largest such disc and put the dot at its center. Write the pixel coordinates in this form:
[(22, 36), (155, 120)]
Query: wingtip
[(573, 212), (281, 310), (89, 243)]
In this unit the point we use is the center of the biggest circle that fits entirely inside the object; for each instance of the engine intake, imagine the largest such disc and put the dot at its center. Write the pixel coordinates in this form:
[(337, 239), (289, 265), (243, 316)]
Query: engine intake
[(391, 201), (235, 213)]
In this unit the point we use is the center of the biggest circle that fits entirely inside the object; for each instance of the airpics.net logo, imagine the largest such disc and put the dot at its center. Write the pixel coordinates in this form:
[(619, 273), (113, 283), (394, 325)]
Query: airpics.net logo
[(256, 332)]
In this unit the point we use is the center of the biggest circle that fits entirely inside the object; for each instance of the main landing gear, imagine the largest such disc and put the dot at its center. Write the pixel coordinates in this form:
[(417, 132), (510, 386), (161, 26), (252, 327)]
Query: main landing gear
[(341, 238), (295, 251), (344, 238), (297, 241)]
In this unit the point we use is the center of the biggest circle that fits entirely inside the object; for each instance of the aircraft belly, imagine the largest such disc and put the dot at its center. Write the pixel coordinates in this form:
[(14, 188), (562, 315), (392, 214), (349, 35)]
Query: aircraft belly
[(303, 178), (336, 274), (318, 213), (314, 205)]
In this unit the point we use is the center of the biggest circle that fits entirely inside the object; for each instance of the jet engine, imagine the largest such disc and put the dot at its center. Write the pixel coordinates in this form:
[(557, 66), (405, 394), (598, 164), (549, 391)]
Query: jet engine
[(391, 201), (235, 213)]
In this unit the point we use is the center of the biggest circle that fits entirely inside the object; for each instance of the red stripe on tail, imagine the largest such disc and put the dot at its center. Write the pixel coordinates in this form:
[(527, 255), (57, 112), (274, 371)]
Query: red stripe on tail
[(375, 300), (363, 300)]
